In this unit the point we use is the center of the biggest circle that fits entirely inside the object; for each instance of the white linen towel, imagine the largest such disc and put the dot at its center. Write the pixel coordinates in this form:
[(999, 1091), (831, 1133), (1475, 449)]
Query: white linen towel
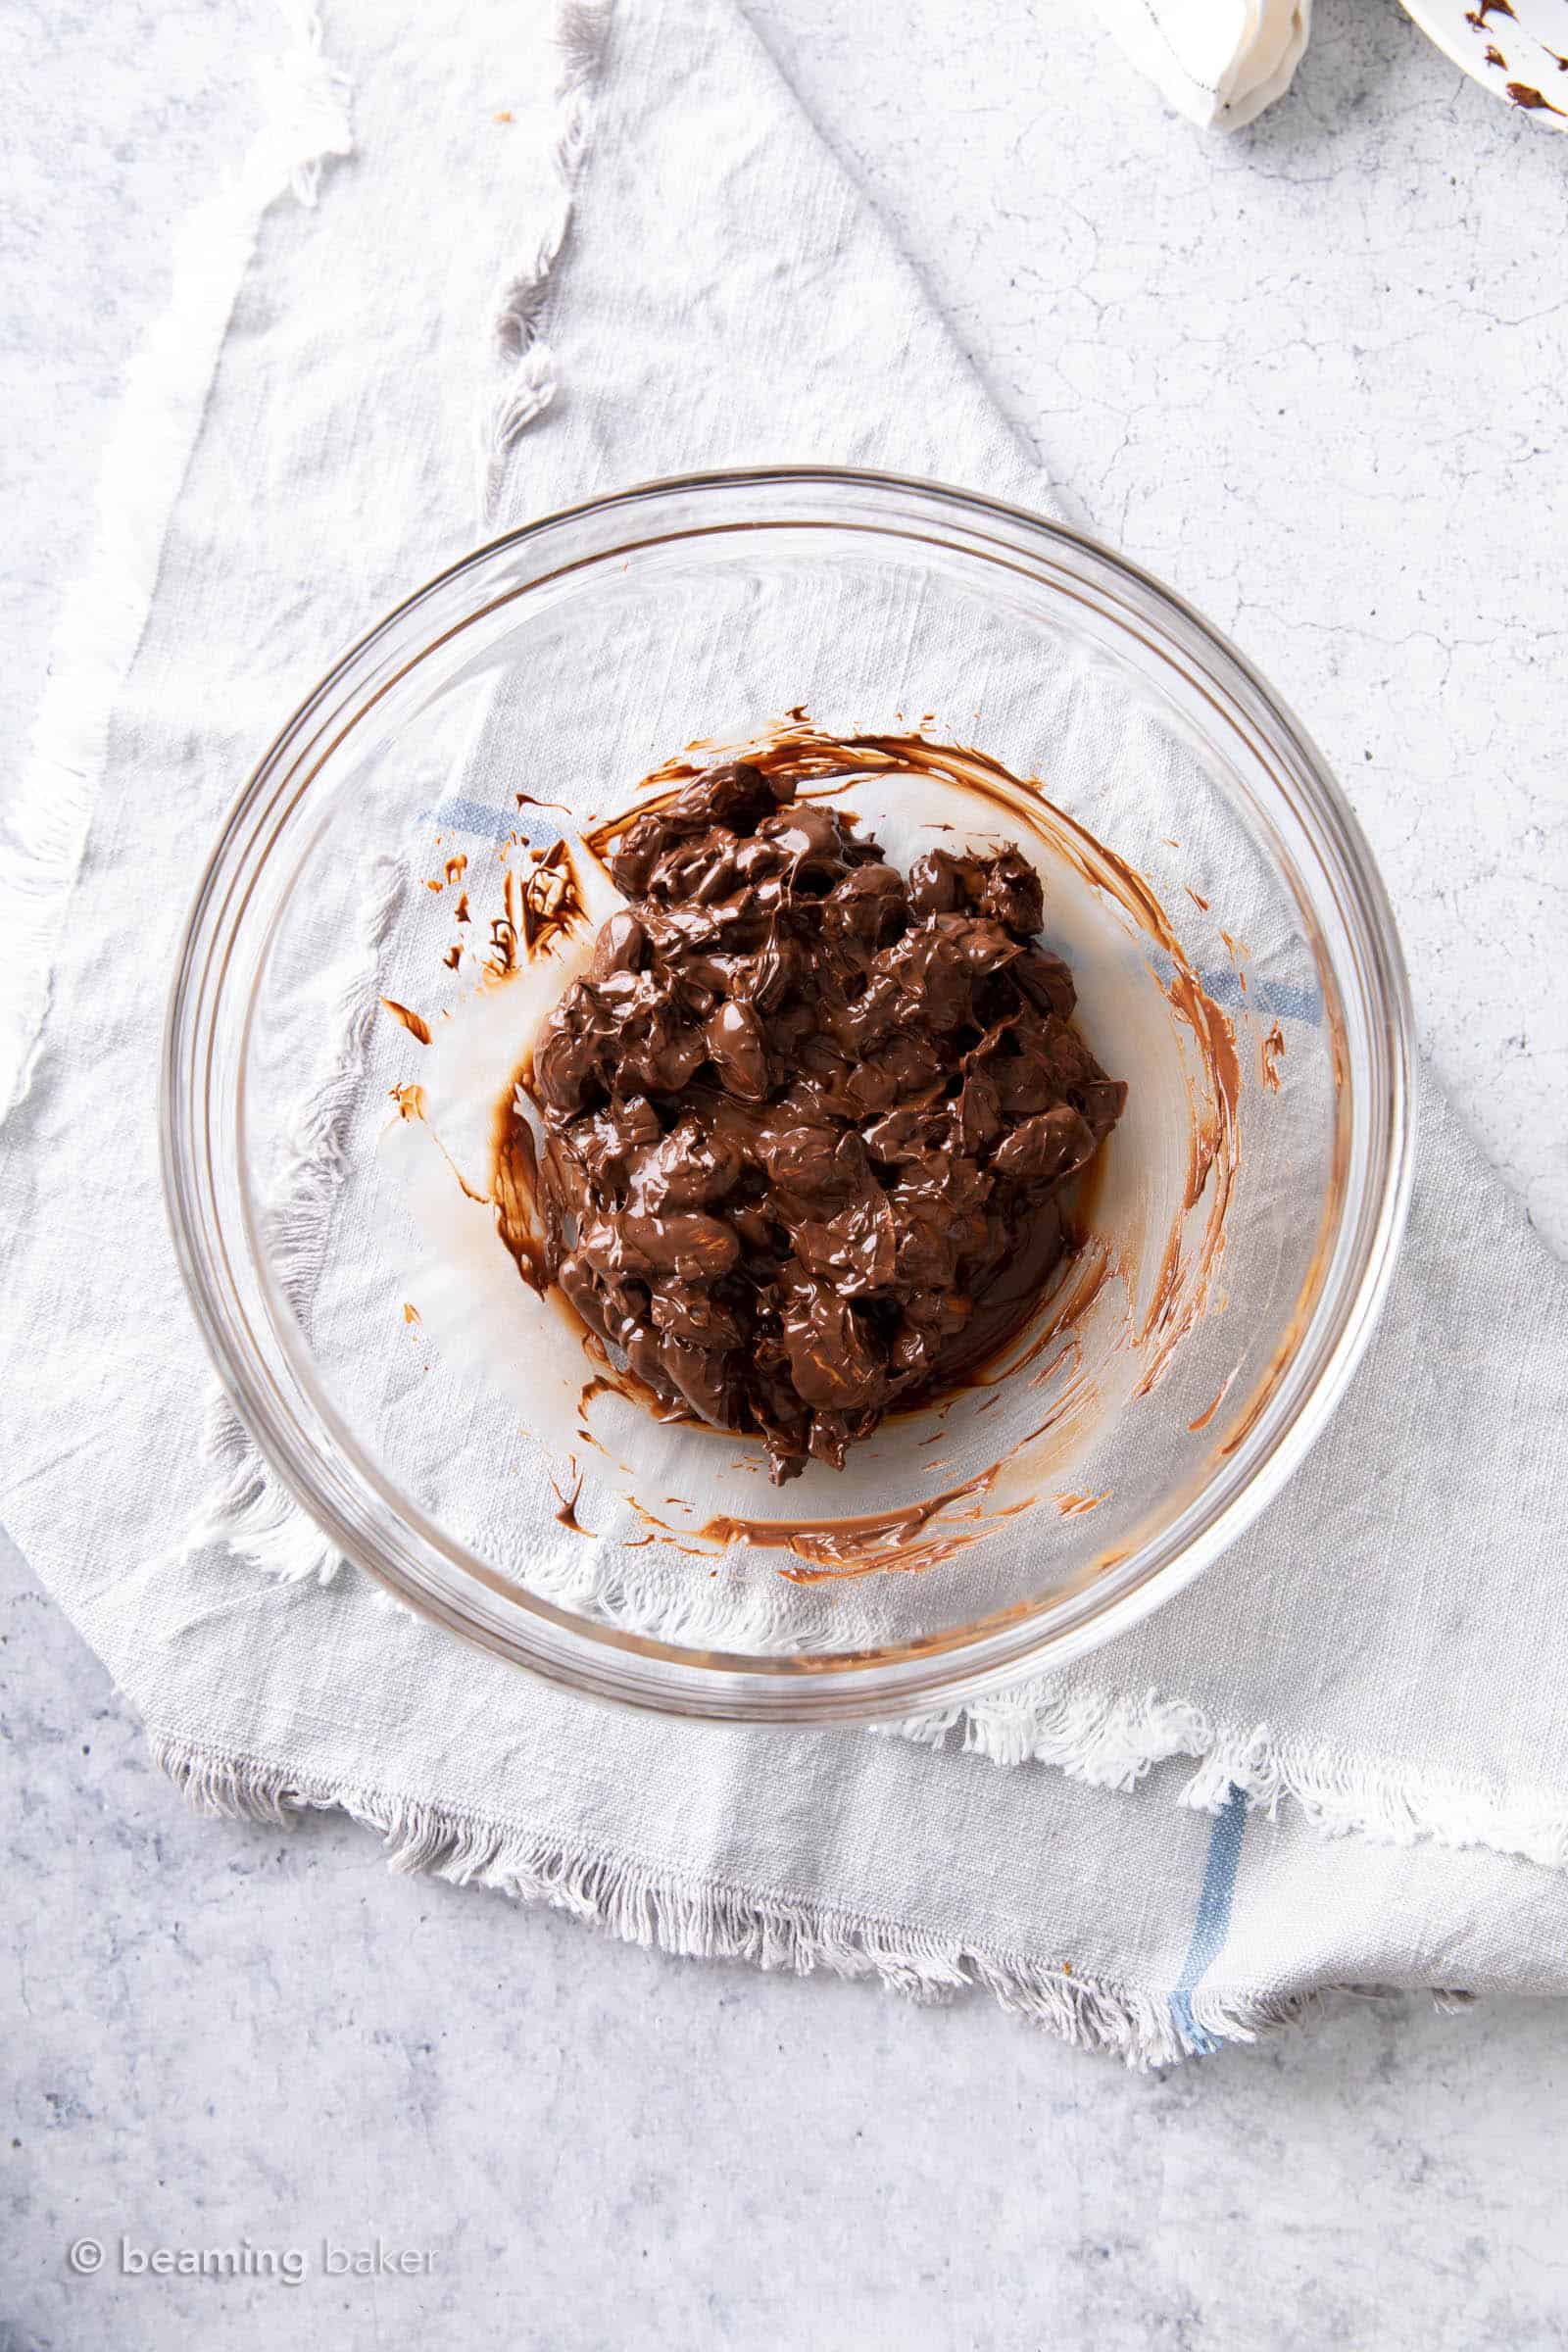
[(1384, 1656)]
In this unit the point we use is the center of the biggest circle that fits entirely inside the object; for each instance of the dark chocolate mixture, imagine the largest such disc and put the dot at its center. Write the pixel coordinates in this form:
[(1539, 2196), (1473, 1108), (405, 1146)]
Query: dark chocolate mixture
[(809, 1123)]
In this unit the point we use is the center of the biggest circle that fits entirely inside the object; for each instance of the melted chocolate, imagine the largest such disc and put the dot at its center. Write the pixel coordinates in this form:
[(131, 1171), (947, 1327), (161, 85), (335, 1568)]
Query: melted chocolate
[(807, 1121)]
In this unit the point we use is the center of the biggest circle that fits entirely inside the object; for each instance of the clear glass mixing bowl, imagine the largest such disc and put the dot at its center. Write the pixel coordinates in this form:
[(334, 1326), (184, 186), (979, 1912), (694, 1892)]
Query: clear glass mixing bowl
[(1088, 1480)]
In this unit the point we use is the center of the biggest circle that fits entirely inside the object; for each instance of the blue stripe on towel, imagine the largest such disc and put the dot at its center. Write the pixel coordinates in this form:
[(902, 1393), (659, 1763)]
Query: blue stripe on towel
[(526, 823), (1283, 999), (1212, 1923), (474, 817)]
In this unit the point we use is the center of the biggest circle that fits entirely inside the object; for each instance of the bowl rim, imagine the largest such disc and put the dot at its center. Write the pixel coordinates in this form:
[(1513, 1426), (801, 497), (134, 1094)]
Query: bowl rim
[(594, 1657)]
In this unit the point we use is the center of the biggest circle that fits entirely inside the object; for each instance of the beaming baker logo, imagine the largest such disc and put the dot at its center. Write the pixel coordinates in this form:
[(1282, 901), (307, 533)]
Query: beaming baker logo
[(290, 2266)]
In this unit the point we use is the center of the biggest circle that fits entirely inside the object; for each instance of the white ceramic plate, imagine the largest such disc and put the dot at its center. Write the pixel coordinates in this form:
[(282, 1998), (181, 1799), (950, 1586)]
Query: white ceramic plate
[(1518, 49)]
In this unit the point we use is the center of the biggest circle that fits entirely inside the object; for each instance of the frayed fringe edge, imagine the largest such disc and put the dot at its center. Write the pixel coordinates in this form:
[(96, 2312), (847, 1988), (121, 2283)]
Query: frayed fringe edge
[(1113, 1740), (251, 1515), (705, 1922), (520, 308), (1106, 1739), (105, 613)]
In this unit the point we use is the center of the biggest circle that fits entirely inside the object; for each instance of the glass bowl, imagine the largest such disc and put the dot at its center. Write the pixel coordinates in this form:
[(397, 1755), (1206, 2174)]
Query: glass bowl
[(1236, 961)]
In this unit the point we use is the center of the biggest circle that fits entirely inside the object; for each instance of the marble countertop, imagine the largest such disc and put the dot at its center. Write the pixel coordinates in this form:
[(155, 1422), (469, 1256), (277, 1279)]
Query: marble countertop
[(1312, 376)]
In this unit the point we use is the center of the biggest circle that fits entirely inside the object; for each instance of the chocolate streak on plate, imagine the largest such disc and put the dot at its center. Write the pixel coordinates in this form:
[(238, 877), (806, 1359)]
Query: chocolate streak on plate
[(1524, 95)]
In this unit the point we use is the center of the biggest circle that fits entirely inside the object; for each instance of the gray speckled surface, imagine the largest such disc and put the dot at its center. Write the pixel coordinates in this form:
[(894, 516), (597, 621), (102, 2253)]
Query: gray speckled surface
[(1313, 377)]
